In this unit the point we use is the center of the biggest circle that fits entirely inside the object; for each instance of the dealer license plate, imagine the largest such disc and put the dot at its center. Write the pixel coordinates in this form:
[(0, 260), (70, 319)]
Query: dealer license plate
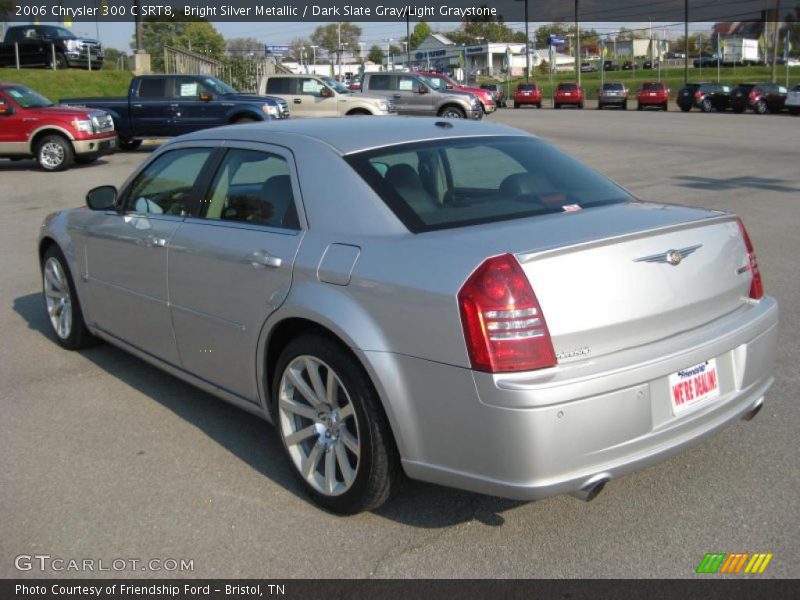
[(693, 385)]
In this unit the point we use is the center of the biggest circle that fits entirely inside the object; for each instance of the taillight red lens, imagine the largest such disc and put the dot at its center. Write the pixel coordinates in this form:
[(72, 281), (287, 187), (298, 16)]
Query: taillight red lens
[(752, 96), (698, 95), (756, 285), (503, 323)]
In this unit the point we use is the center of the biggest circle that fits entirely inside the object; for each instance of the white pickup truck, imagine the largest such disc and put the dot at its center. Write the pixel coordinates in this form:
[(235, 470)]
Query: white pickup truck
[(317, 96)]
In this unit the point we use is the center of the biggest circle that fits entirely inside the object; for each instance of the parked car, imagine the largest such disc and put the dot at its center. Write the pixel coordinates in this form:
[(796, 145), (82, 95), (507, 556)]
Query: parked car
[(629, 65), (497, 90), (317, 96), (705, 96), (570, 94), (653, 94), (527, 94), (705, 60), (793, 100), (168, 105), (762, 98), (674, 55), (479, 310), (650, 64), (354, 86), (485, 97), (41, 45), (31, 126), (612, 93), (587, 67), (414, 94), (610, 65)]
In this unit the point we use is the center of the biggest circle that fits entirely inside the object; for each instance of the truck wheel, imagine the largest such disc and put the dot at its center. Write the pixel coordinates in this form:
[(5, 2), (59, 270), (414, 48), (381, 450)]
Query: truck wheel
[(685, 108), (705, 106), (452, 112), (761, 107), (61, 61), (243, 120), (358, 112), (129, 144), (54, 153)]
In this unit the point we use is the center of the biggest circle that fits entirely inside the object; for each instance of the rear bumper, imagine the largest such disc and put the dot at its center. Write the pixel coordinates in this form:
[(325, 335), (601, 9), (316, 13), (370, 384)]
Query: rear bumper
[(612, 100), (533, 435), (647, 101)]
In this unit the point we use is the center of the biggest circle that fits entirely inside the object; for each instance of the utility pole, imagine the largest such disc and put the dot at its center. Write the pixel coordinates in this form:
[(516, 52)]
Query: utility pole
[(686, 42), (776, 30), (388, 50), (314, 50), (577, 45), (408, 40), (339, 50)]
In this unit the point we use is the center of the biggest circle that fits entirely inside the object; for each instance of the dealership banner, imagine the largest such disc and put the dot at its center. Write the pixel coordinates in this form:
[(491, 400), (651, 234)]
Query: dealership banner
[(635, 11), (333, 589)]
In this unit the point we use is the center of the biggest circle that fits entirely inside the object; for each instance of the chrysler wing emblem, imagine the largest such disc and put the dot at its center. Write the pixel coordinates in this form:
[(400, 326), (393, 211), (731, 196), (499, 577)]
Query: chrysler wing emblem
[(672, 257)]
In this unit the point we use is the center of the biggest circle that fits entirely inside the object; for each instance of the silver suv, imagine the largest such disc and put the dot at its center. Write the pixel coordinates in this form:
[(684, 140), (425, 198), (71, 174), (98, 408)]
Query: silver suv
[(316, 96), (413, 95)]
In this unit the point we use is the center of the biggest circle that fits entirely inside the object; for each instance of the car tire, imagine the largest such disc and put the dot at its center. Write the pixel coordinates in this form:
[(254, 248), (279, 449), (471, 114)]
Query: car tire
[(599, 106), (705, 105), (61, 61), (86, 159), (639, 107), (452, 112), (794, 111), (580, 106), (54, 153), (129, 144), (738, 110), (665, 107), (761, 107), (516, 105), (685, 108), (341, 448), (556, 105), (538, 105), (625, 105), (61, 302)]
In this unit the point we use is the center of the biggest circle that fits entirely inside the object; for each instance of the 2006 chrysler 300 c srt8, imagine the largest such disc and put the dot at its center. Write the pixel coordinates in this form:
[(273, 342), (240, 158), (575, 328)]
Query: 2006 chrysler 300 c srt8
[(457, 301)]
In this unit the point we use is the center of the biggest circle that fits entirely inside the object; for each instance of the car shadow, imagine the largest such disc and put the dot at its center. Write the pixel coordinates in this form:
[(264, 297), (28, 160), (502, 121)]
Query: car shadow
[(27, 164), (255, 442), (748, 181)]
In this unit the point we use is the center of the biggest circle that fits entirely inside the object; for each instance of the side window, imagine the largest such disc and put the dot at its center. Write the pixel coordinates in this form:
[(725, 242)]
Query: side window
[(165, 186), (280, 85), (186, 88), (380, 82), (252, 187), (310, 87), (407, 84), (153, 88)]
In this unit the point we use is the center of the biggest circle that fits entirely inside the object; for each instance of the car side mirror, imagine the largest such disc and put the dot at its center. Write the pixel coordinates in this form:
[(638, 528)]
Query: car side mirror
[(422, 90), (205, 97), (101, 198), (5, 109), (325, 93), (449, 86)]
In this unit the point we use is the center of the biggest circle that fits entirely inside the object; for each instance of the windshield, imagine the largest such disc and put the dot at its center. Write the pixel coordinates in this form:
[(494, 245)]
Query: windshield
[(339, 87), (27, 98), (457, 182), (219, 87), (58, 32), (613, 86)]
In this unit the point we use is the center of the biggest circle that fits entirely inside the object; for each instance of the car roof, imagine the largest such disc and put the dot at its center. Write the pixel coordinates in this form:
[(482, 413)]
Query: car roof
[(356, 134), (296, 75)]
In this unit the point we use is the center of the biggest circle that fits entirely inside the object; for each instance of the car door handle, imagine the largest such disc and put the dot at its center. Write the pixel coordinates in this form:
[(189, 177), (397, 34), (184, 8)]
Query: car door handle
[(262, 258), (298, 100), (137, 106), (174, 105)]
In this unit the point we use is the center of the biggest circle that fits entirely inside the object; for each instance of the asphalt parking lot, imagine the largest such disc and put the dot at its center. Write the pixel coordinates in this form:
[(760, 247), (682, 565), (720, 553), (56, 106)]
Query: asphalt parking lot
[(103, 456)]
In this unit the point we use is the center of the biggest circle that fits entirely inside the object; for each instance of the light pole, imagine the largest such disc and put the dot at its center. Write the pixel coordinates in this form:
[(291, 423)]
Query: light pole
[(388, 50), (577, 45), (408, 59), (341, 51), (314, 50)]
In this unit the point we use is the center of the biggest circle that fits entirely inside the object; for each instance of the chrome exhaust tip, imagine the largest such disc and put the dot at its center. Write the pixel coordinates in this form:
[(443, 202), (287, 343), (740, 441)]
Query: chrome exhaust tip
[(750, 414), (591, 489)]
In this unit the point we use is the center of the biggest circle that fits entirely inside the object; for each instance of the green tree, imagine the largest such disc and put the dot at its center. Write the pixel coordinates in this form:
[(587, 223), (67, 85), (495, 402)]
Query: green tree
[(196, 35), (375, 54), (115, 59), (244, 46), (327, 36), (296, 51), (421, 31)]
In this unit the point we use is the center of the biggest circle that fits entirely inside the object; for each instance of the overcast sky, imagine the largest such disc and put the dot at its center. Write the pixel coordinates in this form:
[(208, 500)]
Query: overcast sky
[(118, 35)]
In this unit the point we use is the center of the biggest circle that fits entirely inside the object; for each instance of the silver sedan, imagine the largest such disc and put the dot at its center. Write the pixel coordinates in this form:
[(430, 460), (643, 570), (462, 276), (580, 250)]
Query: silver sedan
[(458, 302)]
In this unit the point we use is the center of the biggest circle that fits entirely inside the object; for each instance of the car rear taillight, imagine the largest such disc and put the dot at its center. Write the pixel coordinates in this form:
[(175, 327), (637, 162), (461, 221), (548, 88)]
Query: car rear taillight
[(504, 327), (752, 96), (756, 286), (698, 95)]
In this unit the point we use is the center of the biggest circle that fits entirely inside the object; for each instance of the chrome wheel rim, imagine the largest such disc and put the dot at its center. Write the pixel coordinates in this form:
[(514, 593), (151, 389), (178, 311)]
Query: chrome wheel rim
[(51, 155), (451, 114), (57, 298), (318, 424)]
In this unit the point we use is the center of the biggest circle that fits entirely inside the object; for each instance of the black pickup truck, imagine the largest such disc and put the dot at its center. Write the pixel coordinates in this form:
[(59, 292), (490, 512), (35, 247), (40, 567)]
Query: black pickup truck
[(169, 105), (40, 45)]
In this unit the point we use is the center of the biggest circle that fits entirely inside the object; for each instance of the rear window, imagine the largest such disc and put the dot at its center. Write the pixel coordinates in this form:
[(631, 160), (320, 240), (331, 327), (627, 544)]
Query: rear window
[(567, 86), (653, 87), (526, 88), (613, 87), (380, 82), (450, 183)]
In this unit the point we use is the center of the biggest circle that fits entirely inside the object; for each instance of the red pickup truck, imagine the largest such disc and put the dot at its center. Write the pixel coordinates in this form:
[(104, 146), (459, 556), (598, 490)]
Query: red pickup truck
[(56, 136)]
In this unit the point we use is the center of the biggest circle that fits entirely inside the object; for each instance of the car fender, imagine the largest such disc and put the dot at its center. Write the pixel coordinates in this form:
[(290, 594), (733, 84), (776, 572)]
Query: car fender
[(237, 112)]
